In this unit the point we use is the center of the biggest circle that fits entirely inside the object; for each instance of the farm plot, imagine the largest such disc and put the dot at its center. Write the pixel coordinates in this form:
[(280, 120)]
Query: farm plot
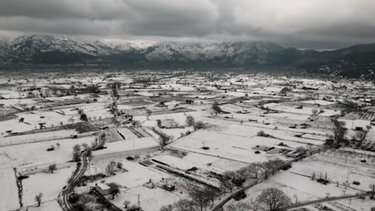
[(279, 133), (136, 174), (126, 133), (147, 198), (133, 183), (36, 137), (303, 110), (49, 184), (47, 206), (92, 110), (13, 125), (8, 193), (211, 163), (229, 146), (49, 118), (199, 165), (34, 155), (339, 167), (125, 148), (302, 188), (298, 188)]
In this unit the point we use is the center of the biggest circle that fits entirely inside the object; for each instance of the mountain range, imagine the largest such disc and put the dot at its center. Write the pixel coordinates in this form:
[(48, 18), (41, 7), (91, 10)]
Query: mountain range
[(355, 61)]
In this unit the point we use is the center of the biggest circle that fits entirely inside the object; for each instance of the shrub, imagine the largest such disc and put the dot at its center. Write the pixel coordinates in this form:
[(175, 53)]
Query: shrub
[(262, 133)]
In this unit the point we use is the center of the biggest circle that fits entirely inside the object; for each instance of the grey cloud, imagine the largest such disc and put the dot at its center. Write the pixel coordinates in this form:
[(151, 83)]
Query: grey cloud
[(306, 23)]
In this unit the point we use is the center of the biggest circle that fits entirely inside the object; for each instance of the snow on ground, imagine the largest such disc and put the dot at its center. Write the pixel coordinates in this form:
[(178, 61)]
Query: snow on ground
[(51, 118), (279, 133), (319, 102), (92, 110), (125, 148), (16, 102), (174, 162), (49, 184), (175, 133), (15, 126), (338, 169), (212, 163), (150, 199), (231, 147), (134, 179), (36, 137), (127, 133), (298, 188), (236, 142), (47, 206), (305, 110), (10, 94), (36, 154), (8, 193), (137, 174), (127, 145)]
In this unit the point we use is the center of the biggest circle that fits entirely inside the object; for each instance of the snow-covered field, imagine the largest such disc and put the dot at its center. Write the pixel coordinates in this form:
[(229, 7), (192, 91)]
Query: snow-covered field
[(9, 192), (260, 118), (35, 155), (49, 184), (238, 142)]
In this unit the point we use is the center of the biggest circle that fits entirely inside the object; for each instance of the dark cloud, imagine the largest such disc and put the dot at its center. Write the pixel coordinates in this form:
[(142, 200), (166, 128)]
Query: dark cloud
[(300, 23)]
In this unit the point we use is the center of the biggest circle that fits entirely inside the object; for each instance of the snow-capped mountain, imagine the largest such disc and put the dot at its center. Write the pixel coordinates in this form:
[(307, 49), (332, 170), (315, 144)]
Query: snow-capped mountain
[(236, 53), (61, 50), (46, 49)]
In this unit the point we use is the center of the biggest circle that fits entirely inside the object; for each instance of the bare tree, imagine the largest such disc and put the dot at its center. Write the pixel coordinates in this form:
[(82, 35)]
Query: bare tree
[(52, 168), (272, 199), (114, 189), (226, 180), (262, 133), (250, 171), (76, 152), (190, 121), (166, 208), (216, 107), (38, 199), (272, 166), (185, 205), (85, 146), (300, 149), (199, 125), (339, 131), (239, 206), (126, 203), (202, 196), (119, 165), (111, 167), (163, 138), (89, 154), (372, 187), (148, 113)]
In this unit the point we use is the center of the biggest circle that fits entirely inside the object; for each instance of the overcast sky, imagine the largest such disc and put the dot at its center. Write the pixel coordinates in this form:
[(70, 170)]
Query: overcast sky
[(299, 23)]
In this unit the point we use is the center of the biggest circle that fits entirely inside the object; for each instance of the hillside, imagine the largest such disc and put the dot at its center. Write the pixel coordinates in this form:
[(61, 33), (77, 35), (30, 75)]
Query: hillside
[(353, 61)]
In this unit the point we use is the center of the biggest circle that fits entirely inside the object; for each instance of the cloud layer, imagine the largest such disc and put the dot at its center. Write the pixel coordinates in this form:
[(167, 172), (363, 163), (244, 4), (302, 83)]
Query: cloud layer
[(299, 23)]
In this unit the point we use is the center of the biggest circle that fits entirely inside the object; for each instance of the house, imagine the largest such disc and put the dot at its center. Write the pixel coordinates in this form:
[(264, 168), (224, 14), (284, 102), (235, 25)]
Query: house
[(167, 123), (102, 188), (169, 188)]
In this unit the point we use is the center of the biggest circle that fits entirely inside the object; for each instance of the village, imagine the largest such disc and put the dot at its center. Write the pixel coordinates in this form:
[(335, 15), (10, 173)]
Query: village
[(167, 141)]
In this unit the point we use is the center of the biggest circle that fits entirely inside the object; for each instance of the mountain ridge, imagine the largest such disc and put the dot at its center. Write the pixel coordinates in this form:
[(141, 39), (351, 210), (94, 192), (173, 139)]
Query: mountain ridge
[(353, 61)]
